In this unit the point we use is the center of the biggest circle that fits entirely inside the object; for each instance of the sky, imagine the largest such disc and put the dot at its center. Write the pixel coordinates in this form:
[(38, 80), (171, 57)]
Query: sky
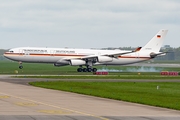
[(87, 23)]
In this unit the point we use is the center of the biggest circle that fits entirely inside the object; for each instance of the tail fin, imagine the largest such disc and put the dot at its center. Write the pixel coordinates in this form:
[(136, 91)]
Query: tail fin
[(156, 42)]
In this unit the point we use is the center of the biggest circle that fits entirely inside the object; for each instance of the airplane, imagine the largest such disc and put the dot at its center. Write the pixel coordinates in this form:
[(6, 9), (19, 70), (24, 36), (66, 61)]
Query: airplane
[(88, 57)]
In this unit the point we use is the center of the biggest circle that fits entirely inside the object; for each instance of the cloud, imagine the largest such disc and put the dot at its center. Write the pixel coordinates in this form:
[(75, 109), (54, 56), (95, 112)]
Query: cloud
[(86, 23)]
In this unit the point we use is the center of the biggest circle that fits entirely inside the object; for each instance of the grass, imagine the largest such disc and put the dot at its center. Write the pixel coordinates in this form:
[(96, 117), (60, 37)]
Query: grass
[(8, 67), (140, 92), (168, 94), (149, 76)]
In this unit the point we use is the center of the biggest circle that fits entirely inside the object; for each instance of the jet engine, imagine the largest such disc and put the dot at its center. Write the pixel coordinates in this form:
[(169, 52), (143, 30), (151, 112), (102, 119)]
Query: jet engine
[(58, 64), (104, 59), (76, 62)]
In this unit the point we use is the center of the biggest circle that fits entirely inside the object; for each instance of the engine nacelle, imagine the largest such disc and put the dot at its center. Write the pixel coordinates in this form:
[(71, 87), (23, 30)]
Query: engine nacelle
[(61, 61), (58, 64), (104, 59), (77, 62)]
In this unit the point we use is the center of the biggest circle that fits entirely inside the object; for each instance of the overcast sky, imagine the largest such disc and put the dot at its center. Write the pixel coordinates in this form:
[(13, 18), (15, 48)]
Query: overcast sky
[(87, 23)]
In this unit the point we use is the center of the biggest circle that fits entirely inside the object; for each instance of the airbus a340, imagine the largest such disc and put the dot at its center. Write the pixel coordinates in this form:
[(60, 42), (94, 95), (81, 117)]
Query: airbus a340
[(87, 57)]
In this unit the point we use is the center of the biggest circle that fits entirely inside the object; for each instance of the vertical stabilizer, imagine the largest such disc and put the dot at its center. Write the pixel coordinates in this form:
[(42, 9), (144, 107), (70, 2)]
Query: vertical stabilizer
[(156, 42)]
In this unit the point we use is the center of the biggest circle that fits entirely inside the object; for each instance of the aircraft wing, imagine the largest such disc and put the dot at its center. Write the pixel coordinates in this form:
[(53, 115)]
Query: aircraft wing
[(117, 54), (123, 53), (111, 55)]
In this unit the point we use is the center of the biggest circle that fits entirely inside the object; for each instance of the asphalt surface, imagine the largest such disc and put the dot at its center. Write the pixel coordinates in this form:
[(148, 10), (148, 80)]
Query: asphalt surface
[(20, 101)]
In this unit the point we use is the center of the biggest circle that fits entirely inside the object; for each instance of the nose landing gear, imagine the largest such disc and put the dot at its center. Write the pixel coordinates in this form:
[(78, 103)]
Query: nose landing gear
[(20, 65)]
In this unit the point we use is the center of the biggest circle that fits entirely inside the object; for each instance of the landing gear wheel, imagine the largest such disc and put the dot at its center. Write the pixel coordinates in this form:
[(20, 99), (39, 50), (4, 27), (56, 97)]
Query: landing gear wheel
[(94, 69), (79, 69), (84, 70), (20, 67), (89, 69)]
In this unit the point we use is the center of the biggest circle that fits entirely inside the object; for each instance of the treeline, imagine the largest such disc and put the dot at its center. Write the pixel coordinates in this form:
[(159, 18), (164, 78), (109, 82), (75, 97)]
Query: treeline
[(173, 54), (2, 51)]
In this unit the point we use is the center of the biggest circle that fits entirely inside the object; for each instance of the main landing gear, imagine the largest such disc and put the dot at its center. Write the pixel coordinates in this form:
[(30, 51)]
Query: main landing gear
[(86, 69)]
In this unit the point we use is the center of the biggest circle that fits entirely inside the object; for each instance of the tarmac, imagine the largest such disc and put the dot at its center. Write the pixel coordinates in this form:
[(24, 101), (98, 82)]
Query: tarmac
[(20, 101)]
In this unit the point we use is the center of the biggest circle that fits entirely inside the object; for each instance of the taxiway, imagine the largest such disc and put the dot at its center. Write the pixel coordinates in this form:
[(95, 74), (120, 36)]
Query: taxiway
[(19, 100)]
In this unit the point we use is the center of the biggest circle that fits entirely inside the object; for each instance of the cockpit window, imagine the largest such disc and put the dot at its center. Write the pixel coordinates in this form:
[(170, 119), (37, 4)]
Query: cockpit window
[(11, 51)]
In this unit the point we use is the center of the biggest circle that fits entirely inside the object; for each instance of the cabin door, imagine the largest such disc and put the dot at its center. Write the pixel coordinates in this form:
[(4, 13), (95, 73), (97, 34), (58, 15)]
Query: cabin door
[(52, 53), (51, 57), (21, 53), (137, 55)]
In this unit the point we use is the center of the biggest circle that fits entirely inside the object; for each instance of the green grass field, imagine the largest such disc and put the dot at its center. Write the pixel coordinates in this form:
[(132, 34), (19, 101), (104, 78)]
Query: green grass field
[(8, 67), (168, 94), (143, 76)]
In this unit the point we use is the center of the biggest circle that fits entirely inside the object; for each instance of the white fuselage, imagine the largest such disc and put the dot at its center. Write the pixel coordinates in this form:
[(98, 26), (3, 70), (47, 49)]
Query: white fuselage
[(88, 57), (59, 55)]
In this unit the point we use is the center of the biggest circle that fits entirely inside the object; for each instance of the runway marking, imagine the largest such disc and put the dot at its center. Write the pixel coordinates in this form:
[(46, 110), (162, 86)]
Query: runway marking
[(74, 111), (54, 111), (4, 96), (26, 104)]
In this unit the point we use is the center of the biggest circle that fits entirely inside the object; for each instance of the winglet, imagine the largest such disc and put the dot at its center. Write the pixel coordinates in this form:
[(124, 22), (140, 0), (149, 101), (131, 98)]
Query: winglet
[(137, 49)]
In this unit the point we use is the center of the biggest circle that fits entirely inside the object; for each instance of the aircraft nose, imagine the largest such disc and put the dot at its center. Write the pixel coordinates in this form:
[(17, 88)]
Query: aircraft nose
[(5, 54)]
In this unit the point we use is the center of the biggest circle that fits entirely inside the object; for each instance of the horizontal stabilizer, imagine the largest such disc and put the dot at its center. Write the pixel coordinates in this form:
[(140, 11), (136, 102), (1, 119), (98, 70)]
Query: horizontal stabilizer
[(153, 55)]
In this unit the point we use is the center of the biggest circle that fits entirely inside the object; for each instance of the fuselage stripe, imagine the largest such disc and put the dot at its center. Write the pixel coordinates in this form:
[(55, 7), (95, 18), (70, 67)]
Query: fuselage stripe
[(64, 55)]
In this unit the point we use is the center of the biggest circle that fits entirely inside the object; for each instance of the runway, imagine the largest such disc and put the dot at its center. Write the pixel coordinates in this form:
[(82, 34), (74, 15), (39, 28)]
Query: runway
[(20, 101)]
